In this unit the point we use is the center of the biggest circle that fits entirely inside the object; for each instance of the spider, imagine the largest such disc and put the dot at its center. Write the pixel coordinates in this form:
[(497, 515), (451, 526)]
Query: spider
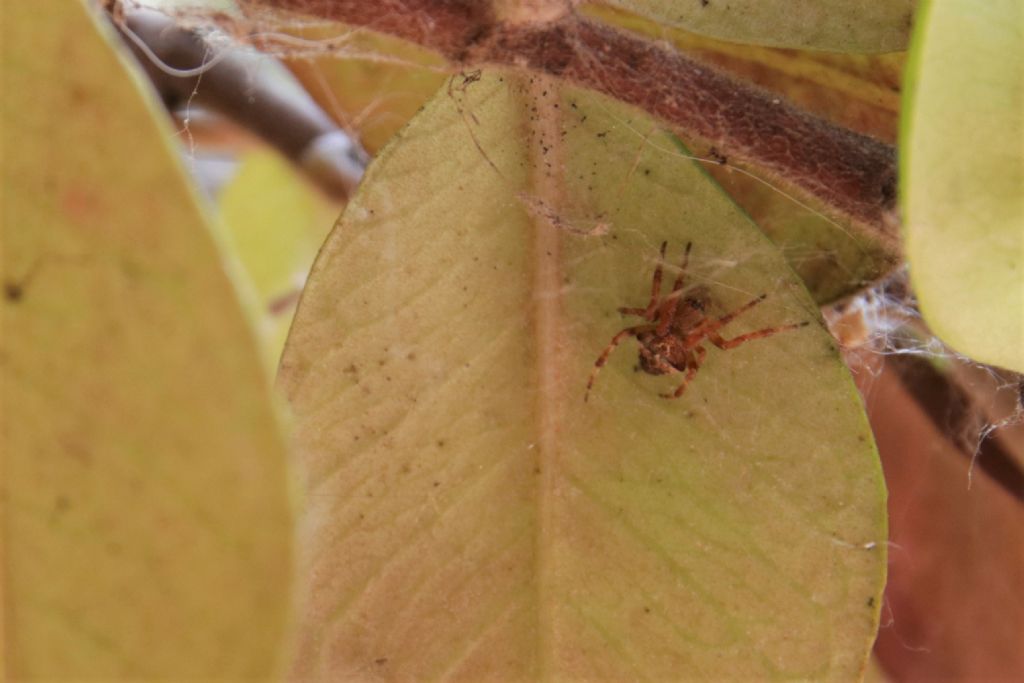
[(672, 338)]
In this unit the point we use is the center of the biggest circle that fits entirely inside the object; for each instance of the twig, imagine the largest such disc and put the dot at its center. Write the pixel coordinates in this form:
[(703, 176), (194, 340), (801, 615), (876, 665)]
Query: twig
[(246, 88)]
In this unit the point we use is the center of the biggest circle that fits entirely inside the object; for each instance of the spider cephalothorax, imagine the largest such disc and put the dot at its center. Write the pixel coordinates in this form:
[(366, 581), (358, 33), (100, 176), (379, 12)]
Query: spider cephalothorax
[(677, 327)]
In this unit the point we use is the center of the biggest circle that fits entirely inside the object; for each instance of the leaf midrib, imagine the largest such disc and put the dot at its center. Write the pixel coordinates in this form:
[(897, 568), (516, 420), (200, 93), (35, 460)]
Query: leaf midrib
[(546, 161)]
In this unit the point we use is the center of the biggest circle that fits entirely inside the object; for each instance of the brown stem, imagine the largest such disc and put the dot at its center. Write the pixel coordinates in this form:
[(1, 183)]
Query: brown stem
[(852, 173), (184, 68)]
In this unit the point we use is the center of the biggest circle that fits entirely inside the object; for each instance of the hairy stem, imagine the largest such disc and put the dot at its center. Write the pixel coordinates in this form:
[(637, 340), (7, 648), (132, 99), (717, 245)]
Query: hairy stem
[(248, 90), (853, 174)]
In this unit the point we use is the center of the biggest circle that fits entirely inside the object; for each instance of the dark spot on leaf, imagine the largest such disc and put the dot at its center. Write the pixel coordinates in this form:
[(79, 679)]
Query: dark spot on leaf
[(13, 291)]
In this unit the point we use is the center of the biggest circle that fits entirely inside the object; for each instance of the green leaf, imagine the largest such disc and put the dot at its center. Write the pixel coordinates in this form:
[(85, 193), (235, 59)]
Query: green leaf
[(962, 176), (835, 25), (471, 517), (146, 517)]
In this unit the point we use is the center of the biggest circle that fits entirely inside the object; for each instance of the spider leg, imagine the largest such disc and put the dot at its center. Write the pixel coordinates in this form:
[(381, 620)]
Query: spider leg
[(726, 344), (732, 315), (603, 358), (671, 303), (691, 372), (710, 330), (682, 269), (652, 305)]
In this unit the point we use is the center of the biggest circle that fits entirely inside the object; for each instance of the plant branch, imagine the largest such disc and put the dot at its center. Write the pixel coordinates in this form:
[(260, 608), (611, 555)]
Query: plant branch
[(853, 174), (249, 89)]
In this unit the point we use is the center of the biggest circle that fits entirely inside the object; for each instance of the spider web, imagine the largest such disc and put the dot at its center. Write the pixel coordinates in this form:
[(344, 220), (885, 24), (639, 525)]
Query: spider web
[(980, 408)]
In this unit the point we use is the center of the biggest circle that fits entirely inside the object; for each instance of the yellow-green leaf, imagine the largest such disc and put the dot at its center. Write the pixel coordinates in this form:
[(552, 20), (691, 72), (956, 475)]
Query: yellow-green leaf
[(277, 221), (145, 507), (471, 517), (835, 25), (962, 176)]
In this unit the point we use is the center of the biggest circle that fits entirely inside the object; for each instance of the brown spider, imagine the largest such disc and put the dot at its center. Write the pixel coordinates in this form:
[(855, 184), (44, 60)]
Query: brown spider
[(672, 340)]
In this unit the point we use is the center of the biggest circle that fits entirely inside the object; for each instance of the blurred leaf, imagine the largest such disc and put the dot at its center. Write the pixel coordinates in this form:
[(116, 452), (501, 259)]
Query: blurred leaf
[(962, 176), (371, 83), (837, 25), (277, 222), (471, 517), (145, 497)]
